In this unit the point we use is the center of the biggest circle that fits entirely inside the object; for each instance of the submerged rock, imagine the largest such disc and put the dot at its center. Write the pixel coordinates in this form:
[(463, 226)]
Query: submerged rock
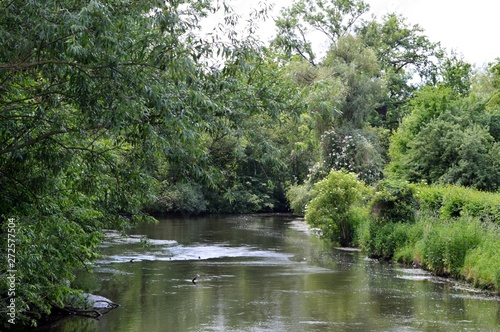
[(98, 302), (90, 305)]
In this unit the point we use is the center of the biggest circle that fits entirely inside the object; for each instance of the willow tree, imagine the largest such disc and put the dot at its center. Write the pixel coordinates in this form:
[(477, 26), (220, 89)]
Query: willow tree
[(343, 88), (407, 57), (94, 96), (333, 19)]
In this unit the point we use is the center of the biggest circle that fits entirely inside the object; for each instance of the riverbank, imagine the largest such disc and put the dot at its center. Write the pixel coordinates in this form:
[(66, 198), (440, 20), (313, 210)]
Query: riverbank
[(463, 248), (449, 230), (452, 232)]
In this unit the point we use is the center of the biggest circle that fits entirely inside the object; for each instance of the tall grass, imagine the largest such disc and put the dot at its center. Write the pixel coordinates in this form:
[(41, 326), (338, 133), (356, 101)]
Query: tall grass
[(482, 264), (453, 201), (455, 231)]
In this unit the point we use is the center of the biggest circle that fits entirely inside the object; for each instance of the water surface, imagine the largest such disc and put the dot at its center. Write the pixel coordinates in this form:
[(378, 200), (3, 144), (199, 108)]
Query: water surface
[(266, 273)]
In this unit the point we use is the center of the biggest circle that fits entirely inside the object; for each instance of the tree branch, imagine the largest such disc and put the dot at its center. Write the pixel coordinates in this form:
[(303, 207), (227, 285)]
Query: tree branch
[(28, 65), (33, 141)]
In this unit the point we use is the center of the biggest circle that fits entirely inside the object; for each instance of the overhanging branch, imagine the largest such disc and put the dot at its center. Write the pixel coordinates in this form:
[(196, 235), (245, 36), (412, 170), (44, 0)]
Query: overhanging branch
[(33, 141)]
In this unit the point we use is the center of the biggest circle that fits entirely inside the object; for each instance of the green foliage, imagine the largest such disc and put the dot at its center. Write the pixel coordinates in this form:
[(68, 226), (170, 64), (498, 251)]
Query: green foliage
[(454, 233), (493, 85), (482, 264), (299, 196), (453, 201), (384, 239), (338, 206), (357, 68), (401, 47), (403, 52), (356, 151), (438, 245), (45, 248), (446, 244), (457, 75), (247, 198), (334, 18), (394, 201), (185, 198), (446, 140)]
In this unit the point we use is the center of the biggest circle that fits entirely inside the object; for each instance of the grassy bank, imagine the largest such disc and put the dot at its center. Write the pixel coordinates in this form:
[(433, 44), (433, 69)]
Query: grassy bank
[(449, 230)]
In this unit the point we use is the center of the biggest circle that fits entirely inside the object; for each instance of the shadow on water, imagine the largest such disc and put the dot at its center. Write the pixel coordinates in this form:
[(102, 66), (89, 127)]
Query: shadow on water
[(266, 273)]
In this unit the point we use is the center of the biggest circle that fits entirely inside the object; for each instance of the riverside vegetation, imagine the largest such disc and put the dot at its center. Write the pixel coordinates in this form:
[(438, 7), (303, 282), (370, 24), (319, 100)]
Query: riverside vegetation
[(112, 111), (449, 230)]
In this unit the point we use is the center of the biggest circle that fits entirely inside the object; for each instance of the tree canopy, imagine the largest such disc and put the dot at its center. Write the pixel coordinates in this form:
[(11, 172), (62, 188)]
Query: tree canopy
[(103, 104)]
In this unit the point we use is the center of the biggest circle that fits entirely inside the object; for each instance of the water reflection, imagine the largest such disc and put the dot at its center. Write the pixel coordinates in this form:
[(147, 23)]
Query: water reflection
[(267, 273)]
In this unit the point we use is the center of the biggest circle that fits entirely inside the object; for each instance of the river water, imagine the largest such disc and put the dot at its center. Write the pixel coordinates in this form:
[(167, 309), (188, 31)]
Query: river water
[(266, 273)]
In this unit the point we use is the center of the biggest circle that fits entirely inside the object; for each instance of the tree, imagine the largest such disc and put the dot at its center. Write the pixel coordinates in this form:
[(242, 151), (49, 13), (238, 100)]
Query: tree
[(406, 56), (97, 99), (494, 85), (364, 85), (333, 19), (457, 75), (446, 138)]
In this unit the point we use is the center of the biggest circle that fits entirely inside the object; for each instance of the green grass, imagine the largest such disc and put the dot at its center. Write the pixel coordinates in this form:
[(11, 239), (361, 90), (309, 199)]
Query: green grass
[(455, 232)]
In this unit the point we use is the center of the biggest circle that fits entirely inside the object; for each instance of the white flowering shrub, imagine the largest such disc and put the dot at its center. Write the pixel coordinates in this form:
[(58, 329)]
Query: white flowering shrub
[(354, 151)]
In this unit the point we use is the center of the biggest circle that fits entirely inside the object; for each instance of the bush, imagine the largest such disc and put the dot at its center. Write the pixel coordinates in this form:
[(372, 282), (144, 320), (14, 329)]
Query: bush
[(453, 201), (446, 245), (185, 198), (298, 197), (385, 239), (394, 201), (338, 205), (455, 230)]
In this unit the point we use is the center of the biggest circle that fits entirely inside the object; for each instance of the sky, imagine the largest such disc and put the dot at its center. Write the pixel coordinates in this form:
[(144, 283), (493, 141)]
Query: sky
[(469, 28)]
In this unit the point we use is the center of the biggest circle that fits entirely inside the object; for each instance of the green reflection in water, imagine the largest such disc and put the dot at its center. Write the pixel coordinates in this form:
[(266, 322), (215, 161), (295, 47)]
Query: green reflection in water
[(266, 273)]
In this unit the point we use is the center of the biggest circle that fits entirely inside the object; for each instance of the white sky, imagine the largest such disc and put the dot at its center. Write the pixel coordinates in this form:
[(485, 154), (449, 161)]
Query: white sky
[(470, 28)]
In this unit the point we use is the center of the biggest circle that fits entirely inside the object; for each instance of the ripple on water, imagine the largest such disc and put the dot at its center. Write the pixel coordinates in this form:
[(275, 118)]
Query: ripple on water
[(112, 271), (220, 251), (192, 252), (113, 238), (413, 274), (478, 296), (301, 225)]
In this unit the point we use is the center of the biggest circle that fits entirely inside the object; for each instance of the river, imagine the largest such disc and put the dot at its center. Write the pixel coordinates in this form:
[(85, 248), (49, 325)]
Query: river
[(266, 273)]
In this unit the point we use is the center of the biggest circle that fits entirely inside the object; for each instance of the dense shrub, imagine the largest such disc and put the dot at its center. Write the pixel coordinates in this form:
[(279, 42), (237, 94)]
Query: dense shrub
[(185, 198), (447, 243), (384, 239), (453, 201), (338, 206), (394, 201), (298, 197)]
